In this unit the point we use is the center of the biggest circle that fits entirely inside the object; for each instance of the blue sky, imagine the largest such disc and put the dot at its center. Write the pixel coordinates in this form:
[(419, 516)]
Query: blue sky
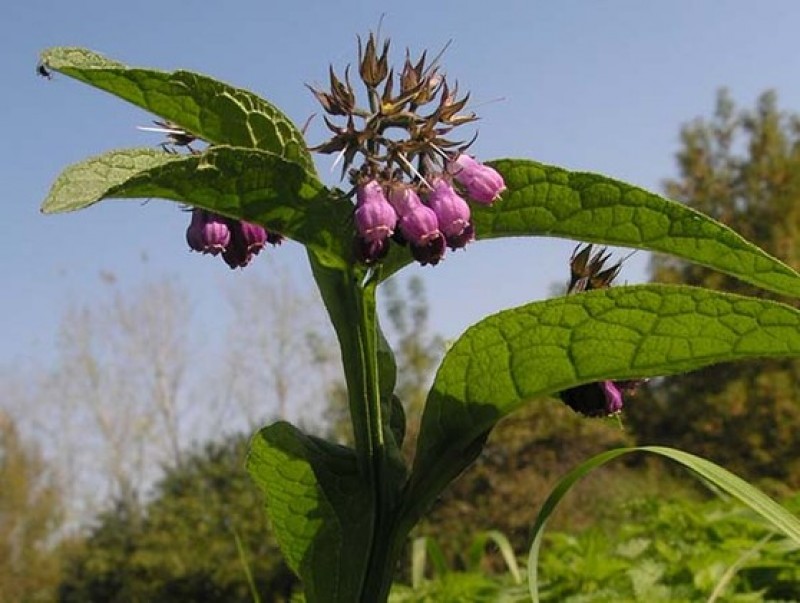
[(592, 85)]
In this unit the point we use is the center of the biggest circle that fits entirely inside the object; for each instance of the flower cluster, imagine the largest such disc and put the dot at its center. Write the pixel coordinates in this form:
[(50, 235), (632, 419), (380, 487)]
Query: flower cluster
[(235, 240), (602, 398), (410, 181)]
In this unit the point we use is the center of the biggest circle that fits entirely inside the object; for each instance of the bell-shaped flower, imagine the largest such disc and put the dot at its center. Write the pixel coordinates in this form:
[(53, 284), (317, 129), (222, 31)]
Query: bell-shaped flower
[(418, 225), (600, 398), (375, 218), (452, 213), (247, 240), (208, 232), (482, 183)]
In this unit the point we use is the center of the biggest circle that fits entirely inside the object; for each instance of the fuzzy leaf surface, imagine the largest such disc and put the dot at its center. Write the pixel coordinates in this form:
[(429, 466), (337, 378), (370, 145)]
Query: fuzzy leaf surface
[(249, 184), (320, 510), (545, 347), (212, 110), (550, 201)]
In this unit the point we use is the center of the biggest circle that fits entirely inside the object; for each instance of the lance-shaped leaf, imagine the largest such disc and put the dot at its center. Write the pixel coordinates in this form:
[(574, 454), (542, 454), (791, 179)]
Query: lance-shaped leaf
[(545, 347), (212, 110), (548, 200), (320, 510), (250, 184)]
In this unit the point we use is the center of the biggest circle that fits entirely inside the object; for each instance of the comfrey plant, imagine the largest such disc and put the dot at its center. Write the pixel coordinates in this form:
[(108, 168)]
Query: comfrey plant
[(342, 515)]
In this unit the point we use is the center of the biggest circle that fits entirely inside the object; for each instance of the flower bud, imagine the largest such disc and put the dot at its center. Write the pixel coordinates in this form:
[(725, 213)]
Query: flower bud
[(373, 68), (375, 218), (483, 183), (586, 271), (452, 213), (207, 232)]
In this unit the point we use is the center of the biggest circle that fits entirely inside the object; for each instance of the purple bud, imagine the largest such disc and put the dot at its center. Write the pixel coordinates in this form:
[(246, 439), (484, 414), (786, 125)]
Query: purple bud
[(483, 183), (375, 217), (452, 213), (207, 232)]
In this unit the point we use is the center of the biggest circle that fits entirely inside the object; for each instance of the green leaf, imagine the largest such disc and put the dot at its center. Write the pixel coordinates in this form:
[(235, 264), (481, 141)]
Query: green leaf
[(548, 200), (212, 110), (620, 333), (89, 181), (723, 479), (321, 510), (250, 184), (477, 551)]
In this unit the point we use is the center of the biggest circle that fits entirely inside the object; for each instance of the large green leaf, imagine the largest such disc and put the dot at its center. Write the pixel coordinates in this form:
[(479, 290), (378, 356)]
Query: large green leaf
[(321, 510), (723, 479), (251, 184), (547, 200), (544, 347), (212, 110)]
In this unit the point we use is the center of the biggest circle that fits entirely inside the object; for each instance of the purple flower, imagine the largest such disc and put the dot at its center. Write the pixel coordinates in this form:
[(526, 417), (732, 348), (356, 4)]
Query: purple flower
[(375, 217), (600, 398), (418, 225), (207, 232), (613, 396), (483, 183), (247, 240), (452, 213)]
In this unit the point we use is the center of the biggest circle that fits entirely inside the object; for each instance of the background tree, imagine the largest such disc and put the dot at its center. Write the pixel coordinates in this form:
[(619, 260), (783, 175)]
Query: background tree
[(743, 168), (266, 372), (116, 403), (183, 545), (30, 517)]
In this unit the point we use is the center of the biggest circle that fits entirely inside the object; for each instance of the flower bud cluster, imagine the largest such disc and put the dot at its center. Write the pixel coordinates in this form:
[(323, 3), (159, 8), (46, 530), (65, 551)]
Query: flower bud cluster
[(236, 241), (600, 398), (411, 182)]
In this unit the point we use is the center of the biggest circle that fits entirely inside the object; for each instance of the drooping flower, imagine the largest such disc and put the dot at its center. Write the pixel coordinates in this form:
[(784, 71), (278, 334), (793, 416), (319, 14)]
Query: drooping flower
[(402, 136), (598, 399), (452, 213), (483, 183), (418, 225), (375, 220), (208, 232), (247, 240), (374, 215), (601, 398)]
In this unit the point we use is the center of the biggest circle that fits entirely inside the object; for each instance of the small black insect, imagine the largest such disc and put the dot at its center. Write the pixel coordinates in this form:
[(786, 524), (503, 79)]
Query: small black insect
[(42, 71)]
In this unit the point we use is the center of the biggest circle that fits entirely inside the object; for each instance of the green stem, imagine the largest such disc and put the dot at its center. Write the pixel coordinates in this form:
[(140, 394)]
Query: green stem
[(351, 305)]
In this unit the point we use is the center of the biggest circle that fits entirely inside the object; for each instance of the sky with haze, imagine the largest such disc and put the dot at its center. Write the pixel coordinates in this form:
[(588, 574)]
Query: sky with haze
[(599, 85)]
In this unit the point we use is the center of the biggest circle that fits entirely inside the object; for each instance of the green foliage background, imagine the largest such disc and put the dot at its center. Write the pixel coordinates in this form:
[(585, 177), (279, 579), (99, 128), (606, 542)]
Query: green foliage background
[(742, 167), (182, 545)]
